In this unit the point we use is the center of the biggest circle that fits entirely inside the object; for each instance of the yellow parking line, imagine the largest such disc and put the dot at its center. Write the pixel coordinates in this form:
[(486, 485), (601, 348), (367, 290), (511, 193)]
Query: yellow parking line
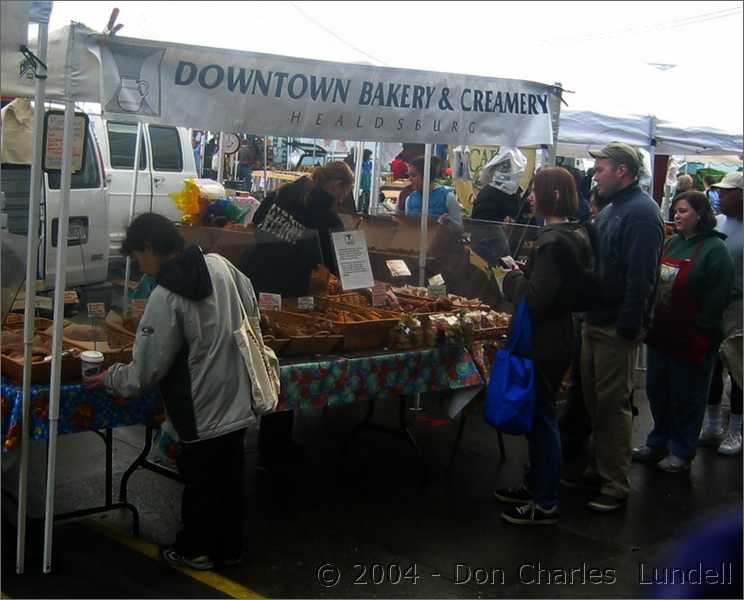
[(212, 579)]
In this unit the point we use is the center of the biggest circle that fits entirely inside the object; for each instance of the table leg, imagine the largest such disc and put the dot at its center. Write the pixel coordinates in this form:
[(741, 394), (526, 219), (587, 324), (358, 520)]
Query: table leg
[(456, 445), (137, 462)]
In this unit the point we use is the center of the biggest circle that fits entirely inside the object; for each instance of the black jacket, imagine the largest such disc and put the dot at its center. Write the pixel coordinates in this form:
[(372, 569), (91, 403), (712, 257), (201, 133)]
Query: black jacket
[(287, 248), (491, 204), (631, 234), (549, 281)]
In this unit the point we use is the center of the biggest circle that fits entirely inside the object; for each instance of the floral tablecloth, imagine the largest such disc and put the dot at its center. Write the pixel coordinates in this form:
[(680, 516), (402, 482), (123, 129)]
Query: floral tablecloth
[(79, 410), (344, 380), (331, 382)]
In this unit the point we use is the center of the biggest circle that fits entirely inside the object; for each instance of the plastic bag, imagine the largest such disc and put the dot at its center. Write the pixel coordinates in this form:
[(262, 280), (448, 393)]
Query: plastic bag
[(504, 170)]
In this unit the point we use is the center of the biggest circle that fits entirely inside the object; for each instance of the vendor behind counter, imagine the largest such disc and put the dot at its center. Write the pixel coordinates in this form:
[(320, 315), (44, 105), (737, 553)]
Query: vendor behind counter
[(288, 247)]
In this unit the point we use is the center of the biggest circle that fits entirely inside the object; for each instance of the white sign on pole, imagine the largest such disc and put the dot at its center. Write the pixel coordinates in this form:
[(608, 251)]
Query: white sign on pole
[(265, 94), (54, 131), (352, 258)]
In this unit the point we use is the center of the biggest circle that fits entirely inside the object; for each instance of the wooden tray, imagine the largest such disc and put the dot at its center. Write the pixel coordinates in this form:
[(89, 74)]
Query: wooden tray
[(311, 345), (41, 372), (15, 322), (276, 344), (490, 333), (364, 335), (306, 345)]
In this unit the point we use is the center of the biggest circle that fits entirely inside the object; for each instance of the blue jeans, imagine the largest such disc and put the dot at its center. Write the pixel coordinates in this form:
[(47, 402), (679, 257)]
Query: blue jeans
[(677, 395), (544, 475)]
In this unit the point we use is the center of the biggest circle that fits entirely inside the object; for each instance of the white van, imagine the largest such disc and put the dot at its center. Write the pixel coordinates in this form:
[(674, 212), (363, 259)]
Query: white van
[(166, 160), (87, 253)]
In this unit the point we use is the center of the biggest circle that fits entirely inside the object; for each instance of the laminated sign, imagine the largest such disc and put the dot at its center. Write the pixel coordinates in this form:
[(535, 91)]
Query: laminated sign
[(352, 258), (54, 140)]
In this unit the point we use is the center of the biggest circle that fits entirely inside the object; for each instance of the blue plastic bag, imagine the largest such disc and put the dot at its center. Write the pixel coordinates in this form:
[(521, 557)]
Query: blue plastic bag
[(510, 400)]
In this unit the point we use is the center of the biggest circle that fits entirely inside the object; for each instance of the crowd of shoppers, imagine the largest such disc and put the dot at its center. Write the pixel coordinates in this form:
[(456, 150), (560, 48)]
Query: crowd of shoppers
[(681, 297)]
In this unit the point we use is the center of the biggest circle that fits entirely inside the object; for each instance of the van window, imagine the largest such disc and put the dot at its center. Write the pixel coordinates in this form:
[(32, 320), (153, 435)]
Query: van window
[(88, 177), (166, 149), (122, 137)]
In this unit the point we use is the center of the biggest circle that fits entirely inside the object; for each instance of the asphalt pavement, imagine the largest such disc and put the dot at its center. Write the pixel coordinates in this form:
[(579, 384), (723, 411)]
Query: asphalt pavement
[(380, 518)]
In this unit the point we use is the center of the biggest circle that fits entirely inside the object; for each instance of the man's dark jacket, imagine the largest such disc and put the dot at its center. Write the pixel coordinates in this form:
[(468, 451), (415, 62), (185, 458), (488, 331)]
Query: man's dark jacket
[(631, 234)]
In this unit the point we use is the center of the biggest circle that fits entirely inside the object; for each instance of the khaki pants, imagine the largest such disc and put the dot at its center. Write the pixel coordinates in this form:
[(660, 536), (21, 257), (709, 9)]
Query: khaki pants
[(731, 348), (607, 381)]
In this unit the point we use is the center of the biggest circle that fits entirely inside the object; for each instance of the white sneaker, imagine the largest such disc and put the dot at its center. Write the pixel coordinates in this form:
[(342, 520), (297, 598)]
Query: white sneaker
[(731, 444), (710, 435)]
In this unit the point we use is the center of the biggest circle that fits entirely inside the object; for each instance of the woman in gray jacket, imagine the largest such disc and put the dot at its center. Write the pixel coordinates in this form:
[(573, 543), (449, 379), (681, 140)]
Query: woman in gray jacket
[(185, 346)]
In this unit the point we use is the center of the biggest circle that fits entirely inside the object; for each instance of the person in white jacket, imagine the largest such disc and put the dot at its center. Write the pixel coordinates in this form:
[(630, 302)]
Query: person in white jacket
[(185, 346)]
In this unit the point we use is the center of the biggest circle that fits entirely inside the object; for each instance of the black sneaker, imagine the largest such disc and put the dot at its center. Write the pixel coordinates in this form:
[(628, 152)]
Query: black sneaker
[(513, 495), (173, 558), (531, 514), (606, 503)]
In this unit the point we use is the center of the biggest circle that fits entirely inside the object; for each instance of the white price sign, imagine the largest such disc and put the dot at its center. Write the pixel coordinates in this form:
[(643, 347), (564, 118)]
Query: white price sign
[(269, 301), (96, 309)]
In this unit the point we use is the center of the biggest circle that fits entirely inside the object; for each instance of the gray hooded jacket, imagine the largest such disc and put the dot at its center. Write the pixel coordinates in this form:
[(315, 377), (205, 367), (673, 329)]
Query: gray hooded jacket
[(185, 345)]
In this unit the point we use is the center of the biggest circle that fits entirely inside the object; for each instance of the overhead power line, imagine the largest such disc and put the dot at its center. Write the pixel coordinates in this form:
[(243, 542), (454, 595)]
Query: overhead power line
[(651, 27), (335, 35)]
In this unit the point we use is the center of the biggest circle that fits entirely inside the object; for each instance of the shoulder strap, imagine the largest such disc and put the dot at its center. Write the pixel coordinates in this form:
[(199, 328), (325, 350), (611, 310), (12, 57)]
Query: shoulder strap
[(227, 265)]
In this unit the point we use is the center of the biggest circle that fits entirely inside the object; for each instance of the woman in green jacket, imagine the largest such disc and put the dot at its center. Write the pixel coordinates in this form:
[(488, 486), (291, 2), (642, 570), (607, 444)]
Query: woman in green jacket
[(695, 286)]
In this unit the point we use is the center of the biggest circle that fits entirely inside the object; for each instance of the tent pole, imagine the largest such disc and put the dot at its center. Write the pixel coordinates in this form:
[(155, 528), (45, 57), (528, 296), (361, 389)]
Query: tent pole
[(32, 252), (265, 179), (59, 313), (221, 159), (132, 204), (358, 172), (375, 192), (652, 150), (555, 114), (423, 239)]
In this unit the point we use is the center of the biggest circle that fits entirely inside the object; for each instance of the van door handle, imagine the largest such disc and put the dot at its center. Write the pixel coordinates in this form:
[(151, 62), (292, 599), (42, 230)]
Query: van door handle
[(158, 180), (108, 178)]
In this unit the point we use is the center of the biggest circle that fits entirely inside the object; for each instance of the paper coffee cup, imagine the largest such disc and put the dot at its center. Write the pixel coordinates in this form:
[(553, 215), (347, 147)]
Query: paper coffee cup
[(92, 363)]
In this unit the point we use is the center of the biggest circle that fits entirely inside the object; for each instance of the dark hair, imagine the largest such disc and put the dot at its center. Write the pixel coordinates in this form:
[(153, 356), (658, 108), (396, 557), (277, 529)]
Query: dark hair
[(367, 154), (556, 179), (701, 205), (420, 162), (155, 230), (710, 180)]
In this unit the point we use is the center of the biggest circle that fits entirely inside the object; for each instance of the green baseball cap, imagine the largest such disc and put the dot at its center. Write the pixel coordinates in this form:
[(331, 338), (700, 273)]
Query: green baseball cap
[(621, 153)]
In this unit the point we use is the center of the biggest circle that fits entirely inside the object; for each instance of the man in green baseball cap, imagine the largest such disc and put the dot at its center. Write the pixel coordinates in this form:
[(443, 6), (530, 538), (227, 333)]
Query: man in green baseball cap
[(631, 233), (622, 154)]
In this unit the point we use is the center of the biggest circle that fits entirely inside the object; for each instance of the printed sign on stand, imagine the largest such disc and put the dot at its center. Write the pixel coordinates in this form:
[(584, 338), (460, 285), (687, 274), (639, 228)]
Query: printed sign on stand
[(96, 309), (379, 295), (306, 303), (352, 258), (398, 268), (54, 140), (269, 301)]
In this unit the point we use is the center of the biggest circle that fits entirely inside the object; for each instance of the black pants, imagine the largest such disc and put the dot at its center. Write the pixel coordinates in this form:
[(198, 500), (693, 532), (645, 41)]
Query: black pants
[(212, 501)]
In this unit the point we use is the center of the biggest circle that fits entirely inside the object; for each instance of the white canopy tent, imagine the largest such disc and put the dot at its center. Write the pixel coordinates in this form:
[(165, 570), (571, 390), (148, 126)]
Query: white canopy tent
[(145, 81), (582, 131)]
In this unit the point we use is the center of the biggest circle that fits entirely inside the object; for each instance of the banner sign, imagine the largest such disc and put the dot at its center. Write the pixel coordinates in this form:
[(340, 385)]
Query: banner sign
[(264, 94)]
